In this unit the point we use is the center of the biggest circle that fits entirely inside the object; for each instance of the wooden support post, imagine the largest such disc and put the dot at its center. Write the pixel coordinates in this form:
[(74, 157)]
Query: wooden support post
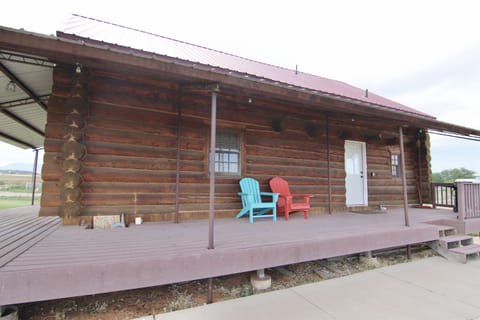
[(34, 176), (404, 178), (210, 291), (213, 133), (461, 201), (419, 164), (409, 252), (329, 168)]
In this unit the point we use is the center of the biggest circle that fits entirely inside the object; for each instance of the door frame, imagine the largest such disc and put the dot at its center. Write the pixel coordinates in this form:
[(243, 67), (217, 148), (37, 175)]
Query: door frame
[(363, 146)]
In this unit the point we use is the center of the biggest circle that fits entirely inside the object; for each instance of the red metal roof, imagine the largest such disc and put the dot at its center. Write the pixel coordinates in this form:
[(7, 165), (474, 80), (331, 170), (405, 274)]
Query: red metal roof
[(79, 27)]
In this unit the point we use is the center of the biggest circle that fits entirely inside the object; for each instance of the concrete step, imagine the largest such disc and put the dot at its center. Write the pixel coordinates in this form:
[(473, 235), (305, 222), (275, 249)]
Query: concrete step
[(467, 250), (456, 248), (463, 253), (455, 241), (445, 231)]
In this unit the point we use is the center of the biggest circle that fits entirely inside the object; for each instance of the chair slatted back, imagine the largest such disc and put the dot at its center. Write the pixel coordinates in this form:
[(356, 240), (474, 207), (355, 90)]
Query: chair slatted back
[(280, 185), (252, 188)]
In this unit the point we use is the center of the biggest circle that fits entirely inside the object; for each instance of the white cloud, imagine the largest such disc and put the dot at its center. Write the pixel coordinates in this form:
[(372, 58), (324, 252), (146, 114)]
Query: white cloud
[(11, 154), (449, 153)]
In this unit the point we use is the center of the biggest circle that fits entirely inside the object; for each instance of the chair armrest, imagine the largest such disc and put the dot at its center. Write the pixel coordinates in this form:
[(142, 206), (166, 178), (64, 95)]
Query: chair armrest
[(274, 195), (306, 197), (285, 201), (268, 193)]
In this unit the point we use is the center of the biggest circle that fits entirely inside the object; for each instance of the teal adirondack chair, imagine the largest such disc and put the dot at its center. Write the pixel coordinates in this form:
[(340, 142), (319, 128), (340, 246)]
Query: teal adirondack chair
[(252, 201)]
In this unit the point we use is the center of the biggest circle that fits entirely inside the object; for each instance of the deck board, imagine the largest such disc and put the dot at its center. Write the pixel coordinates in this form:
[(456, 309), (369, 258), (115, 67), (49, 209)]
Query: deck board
[(73, 261), (21, 229)]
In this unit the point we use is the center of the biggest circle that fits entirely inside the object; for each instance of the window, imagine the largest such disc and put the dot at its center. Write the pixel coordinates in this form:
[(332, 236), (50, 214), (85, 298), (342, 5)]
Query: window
[(227, 152), (395, 165)]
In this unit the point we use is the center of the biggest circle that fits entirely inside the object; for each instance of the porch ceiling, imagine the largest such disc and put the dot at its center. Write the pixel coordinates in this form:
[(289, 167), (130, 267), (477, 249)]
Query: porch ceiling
[(25, 86)]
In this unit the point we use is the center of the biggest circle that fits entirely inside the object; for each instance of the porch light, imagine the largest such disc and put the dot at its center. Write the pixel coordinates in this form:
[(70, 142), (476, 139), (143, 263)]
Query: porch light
[(11, 86)]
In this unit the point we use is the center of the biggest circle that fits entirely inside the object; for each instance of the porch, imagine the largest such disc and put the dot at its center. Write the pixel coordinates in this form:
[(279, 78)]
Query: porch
[(464, 197), (73, 261)]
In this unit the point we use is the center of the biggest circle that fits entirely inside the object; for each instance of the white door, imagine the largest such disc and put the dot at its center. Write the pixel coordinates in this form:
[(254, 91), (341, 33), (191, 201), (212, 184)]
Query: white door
[(356, 177)]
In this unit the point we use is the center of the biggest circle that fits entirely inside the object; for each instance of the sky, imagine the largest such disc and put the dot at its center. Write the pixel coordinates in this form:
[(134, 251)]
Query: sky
[(424, 54)]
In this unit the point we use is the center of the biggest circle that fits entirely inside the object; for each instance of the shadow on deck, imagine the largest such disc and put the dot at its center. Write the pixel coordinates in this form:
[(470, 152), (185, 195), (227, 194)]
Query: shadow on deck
[(71, 261)]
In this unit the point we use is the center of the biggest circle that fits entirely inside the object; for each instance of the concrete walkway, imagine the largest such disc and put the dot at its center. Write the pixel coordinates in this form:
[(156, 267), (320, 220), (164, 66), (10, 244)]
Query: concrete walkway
[(431, 288)]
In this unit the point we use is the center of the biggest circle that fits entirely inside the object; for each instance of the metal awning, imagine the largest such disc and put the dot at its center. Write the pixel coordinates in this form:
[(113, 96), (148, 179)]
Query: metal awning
[(25, 86)]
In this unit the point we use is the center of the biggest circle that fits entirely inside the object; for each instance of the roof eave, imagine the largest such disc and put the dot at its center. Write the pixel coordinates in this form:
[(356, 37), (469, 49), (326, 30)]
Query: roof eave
[(72, 51)]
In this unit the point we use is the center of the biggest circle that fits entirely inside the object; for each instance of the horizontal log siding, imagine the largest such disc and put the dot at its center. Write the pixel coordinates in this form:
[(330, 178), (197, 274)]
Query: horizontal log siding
[(131, 141), (385, 189), (297, 157)]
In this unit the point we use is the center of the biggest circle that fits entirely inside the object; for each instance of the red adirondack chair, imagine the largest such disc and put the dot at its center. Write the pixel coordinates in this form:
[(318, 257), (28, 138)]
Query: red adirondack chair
[(286, 203)]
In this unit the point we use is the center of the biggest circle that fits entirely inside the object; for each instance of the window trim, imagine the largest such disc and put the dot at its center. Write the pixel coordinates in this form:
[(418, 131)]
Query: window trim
[(241, 152), (397, 165)]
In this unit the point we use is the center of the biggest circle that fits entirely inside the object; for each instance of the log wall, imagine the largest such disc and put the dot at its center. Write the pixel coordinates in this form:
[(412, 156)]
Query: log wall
[(130, 135)]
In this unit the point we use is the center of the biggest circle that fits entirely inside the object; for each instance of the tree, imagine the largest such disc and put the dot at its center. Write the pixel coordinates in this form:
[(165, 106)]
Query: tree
[(436, 177), (450, 175)]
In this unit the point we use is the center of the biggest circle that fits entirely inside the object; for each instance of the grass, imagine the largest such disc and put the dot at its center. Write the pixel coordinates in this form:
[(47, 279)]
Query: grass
[(14, 202), (16, 190), (18, 182)]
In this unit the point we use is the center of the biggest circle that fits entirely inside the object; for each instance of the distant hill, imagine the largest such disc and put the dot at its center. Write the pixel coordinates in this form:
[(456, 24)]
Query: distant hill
[(17, 168)]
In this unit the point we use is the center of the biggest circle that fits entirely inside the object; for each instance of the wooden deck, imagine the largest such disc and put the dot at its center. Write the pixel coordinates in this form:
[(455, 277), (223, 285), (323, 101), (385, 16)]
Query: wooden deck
[(72, 261), (20, 229)]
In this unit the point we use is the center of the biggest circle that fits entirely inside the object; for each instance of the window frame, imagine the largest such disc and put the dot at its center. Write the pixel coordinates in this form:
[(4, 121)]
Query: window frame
[(241, 155), (395, 165)]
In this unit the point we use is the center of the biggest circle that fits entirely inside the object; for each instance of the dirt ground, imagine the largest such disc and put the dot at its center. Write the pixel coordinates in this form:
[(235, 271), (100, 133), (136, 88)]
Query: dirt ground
[(142, 302)]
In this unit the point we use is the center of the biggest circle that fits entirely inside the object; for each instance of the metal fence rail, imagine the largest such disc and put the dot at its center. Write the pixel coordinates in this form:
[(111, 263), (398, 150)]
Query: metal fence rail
[(444, 195)]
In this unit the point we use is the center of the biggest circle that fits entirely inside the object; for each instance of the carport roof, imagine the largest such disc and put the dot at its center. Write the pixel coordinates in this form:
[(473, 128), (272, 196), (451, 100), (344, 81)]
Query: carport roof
[(25, 86)]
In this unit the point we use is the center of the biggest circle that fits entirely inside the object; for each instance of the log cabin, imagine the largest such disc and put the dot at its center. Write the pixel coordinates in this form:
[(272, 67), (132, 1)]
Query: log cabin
[(138, 124), (132, 116)]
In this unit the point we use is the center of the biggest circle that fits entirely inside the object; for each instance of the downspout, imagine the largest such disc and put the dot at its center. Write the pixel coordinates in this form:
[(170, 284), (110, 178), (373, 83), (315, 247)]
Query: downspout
[(404, 178), (35, 164), (329, 167), (179, 147)]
